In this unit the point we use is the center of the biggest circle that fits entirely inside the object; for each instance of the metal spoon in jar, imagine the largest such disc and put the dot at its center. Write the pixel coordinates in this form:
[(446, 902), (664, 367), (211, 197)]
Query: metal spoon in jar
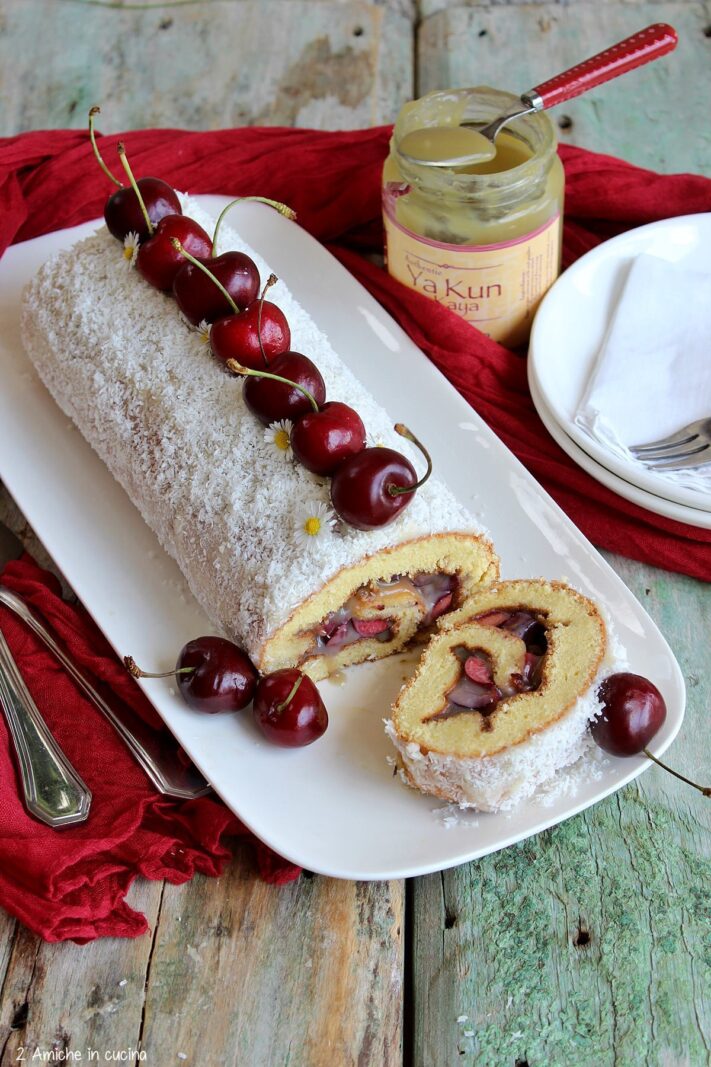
[(464, 145)]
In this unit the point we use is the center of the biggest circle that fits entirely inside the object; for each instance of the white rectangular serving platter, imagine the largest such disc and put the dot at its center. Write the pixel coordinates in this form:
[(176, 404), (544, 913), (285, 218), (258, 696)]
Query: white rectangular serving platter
[(333, 807)]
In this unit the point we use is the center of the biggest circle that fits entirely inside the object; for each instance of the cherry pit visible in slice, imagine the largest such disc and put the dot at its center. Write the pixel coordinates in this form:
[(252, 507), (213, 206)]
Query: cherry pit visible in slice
[(288, 709)]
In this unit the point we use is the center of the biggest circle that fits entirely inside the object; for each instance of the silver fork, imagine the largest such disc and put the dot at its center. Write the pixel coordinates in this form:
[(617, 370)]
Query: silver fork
[(687, 448)]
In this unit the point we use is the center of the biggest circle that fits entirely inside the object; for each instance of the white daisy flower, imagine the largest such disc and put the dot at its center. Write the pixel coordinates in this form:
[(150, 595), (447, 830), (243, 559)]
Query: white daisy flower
[(314, 521), (279, 435), (130, 248), (203, 332)]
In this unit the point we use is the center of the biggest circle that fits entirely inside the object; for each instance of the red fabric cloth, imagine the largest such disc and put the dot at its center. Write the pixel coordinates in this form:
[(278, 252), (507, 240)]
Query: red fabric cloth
[(72, 884)]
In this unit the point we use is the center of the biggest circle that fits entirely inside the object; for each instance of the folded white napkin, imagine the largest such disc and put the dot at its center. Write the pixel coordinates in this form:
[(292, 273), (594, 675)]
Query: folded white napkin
[(652, 375)]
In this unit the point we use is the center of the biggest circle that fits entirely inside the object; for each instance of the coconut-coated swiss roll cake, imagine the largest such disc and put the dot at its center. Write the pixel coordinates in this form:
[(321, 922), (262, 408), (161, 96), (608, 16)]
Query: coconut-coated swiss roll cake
[(501, 699), (252, 531)]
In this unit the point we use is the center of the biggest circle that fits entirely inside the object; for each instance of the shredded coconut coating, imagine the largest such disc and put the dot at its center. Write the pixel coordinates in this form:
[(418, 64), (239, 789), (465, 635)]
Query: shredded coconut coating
[(503, 781), (172, 427)]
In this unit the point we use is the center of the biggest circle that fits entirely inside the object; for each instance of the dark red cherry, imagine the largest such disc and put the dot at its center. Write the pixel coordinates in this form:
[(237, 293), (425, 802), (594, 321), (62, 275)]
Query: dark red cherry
[(271, 401), (224, 678), (288, 713), (322, 440), (633, 710), (159, 262), (528, 629), (212, 673), (123, 214), (236, 337), (199, 298), (360, 489)]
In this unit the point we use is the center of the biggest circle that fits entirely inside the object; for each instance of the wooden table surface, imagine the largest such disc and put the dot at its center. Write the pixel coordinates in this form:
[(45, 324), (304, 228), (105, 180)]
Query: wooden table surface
[(587, 945)]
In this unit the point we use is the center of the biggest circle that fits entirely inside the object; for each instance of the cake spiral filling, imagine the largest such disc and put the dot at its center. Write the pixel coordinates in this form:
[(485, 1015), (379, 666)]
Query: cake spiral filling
[(373, 611), (475, 689), (496, 705)]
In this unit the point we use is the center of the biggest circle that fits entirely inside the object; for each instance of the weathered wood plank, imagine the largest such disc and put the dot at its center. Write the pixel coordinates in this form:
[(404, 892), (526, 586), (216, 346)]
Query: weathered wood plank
[(204, 65), (7, 935), (306, 975), (656, 117), (67, 998), (589, 943)]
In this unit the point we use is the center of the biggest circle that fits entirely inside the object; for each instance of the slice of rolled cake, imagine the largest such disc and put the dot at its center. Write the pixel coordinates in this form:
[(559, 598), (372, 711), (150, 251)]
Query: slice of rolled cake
[(501, 699), (172, 427)]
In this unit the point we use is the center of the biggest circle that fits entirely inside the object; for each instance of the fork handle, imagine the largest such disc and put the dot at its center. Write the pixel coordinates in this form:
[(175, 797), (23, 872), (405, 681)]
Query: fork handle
[(633, 52), (53, 791)]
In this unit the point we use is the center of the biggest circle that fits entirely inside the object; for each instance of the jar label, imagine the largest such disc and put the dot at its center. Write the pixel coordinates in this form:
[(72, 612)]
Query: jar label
[(495, 287)]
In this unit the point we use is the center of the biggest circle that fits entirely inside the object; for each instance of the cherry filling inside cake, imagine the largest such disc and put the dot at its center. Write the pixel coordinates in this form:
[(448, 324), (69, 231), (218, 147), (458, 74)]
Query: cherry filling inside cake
[(475, 688), (430, 594), (502, 697)]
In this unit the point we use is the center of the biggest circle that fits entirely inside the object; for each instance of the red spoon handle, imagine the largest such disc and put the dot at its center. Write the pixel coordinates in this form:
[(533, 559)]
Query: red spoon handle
[(634, 51)]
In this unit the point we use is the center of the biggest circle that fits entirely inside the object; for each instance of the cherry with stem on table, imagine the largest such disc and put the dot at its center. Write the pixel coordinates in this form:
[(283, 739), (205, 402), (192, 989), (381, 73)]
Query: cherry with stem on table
[(632, 712), (213, 675)]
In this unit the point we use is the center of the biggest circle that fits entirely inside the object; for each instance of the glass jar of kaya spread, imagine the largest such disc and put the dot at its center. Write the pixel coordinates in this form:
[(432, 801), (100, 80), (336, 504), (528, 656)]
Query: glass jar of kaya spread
[(483, 240)]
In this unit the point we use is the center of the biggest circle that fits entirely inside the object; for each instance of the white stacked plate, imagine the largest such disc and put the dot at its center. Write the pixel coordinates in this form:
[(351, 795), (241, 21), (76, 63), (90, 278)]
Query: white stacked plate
[(567, 333)]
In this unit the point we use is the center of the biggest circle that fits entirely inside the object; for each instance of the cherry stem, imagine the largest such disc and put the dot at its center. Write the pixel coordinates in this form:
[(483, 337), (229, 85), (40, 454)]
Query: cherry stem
[(196, 263), (397, 490), (135, 671), (283, 209), (97, 111), (271, 280), (237, 368), (127, 167), (705, 789), (285, 703)]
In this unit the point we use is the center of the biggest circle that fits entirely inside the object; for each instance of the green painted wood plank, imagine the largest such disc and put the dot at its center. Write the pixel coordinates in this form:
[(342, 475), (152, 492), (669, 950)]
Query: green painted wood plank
[(204, 65), (657, 116)]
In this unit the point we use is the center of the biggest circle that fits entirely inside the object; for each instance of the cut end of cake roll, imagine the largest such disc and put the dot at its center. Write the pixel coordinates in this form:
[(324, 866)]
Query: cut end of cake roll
[(375, 607), (501, 699)]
